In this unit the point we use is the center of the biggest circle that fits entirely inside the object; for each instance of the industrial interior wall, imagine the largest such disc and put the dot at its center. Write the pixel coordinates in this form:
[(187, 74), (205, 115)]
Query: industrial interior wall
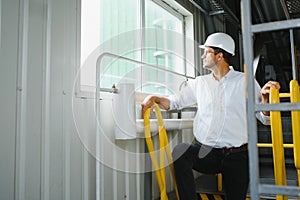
[(42, 155)]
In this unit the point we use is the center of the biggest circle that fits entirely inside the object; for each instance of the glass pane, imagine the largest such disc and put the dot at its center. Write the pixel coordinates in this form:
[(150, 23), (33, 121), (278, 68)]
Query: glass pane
[(102, 21), (164, 42), (117, 70), (111, 26)]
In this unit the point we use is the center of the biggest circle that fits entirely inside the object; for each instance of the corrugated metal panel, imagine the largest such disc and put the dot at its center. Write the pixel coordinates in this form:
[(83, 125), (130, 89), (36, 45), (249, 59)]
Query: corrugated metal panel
[(8, 85), (51, 160)]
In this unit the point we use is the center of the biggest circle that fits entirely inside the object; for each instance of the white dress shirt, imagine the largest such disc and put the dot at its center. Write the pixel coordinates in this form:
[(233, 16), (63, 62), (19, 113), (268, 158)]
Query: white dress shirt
[(220, 120)]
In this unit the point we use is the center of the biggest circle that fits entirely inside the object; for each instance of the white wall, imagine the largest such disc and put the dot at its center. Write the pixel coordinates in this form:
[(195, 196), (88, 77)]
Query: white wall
[(8, 85), (41, 154)]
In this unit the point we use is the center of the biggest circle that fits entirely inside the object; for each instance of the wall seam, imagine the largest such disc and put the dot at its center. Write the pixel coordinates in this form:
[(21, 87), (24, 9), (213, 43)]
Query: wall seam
[(45, 130), (21, 102)]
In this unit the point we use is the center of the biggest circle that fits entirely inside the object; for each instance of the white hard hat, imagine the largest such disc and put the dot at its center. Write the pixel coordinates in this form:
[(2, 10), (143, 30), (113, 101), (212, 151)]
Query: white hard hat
[(220, 40)]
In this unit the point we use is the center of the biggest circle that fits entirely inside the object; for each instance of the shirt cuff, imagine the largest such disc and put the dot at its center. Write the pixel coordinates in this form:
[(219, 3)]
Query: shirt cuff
[(265, 119), (172, 102)]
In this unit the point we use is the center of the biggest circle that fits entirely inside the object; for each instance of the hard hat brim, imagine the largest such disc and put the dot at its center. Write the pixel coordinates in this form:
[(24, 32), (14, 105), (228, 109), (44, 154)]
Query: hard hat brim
[(203, 47)]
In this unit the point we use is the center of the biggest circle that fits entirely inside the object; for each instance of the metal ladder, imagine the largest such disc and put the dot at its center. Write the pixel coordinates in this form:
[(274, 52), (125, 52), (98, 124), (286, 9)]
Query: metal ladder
[(256, 188)]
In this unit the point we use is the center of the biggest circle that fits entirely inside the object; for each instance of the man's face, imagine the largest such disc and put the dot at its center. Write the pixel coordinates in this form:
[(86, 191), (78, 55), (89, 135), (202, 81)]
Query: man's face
[(208, 57)]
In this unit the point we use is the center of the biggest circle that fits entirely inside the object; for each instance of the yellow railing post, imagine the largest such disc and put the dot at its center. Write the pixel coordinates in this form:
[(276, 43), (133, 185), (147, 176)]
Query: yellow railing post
[(295, 97), (152, 151), (164, 147), (220, 182), (277, 138), (277, 143)]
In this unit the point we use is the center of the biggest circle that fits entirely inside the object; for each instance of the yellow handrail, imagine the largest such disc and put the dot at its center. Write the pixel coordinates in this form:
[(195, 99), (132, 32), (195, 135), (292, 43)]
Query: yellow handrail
[(163, 148), (284, 95), (277, 144), (268, 145), (295, 97), (277, 138), (220, 182)]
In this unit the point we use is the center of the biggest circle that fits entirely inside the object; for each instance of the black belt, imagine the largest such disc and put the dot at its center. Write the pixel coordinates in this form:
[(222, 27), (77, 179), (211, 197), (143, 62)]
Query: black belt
[(227, 150)]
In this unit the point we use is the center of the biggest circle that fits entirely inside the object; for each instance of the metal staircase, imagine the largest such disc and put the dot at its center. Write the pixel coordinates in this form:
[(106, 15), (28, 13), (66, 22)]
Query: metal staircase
[(256, 187)]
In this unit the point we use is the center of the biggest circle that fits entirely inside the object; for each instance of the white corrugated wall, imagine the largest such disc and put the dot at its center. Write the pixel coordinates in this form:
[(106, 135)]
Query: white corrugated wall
[(41, 154)]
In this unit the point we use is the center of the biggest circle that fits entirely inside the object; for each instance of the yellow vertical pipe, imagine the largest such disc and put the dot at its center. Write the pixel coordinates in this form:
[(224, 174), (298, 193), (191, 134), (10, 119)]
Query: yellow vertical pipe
[(162, 144), (295, 97), (151, 149), (277, 142), (220, 184), (298, 172), (164, 147), (162, 167)]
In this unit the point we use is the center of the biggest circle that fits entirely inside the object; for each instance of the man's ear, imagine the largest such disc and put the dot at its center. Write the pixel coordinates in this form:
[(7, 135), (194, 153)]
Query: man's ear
[(220, 56)]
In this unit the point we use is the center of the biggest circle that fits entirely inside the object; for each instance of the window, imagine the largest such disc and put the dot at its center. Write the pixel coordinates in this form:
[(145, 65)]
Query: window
[(144, 30)]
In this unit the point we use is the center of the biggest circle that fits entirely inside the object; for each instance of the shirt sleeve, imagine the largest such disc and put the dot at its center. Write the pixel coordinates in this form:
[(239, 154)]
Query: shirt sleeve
[(264, 119), (186, 96)]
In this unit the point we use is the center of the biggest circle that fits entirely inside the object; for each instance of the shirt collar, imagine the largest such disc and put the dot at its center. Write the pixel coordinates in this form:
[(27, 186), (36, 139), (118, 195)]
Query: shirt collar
[(229, 75)]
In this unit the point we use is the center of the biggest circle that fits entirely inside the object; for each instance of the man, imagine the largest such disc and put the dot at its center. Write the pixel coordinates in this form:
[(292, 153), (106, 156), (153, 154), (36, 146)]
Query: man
[(220, 124)]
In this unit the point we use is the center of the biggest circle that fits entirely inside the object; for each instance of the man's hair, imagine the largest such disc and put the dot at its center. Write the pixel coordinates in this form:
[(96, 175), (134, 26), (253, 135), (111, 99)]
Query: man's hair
[(226, 55)]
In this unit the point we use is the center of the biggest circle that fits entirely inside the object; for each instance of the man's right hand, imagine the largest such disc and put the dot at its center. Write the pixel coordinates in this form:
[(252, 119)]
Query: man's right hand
[(149, 101)]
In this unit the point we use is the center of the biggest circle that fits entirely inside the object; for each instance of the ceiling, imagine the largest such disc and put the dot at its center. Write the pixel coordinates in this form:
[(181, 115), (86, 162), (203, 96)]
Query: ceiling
[(274, 47)]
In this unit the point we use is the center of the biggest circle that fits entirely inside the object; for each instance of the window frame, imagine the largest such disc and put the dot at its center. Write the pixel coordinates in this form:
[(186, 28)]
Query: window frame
[(87, 94)]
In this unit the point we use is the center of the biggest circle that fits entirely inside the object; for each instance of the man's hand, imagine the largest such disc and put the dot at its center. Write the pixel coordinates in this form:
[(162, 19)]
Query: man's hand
[(149, 101), (265, 91)]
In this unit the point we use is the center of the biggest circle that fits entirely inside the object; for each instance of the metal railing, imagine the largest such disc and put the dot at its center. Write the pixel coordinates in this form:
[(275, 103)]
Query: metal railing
[(256, 188), (99, 146), (277, 144)]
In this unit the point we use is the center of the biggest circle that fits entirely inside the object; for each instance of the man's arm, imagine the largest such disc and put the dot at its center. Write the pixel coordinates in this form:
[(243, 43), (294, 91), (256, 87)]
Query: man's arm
[(149, 101)]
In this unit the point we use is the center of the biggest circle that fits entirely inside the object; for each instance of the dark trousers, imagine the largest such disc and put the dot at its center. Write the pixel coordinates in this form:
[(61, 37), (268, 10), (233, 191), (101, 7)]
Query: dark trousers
[(233, 166)]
